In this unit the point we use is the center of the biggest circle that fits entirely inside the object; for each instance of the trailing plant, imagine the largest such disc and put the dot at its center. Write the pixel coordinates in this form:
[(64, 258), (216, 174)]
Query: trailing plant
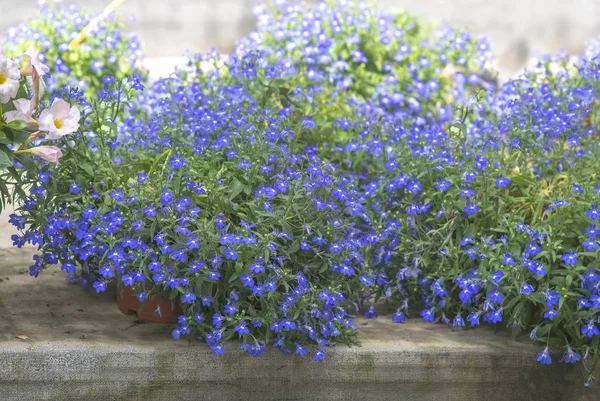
[(212, 190)]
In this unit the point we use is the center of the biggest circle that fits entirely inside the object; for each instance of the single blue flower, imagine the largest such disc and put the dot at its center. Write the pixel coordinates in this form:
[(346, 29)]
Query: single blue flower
[(188, 297), (494, 316), (552, 298), (68, 268), (176, 334), (166, 197), (583, 302), (593, 213), (589, 329), (74, 188), (230, 309), (398, 317), (319, 355), (502, 182), (458, 321), (371, 313), (570, 258), (473, 318), (470, 209), (577, 188), (241, 328), (544, 357), (465, 296), (551, 314), (571, 356), (466, 192), (533, 334), (99, 286), (301, 349), (495, 295), (428, 314), (526, 289), (218, 348)]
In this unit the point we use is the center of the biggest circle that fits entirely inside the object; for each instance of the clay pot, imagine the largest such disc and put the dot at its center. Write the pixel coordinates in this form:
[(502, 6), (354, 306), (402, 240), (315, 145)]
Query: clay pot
[(129, 303)]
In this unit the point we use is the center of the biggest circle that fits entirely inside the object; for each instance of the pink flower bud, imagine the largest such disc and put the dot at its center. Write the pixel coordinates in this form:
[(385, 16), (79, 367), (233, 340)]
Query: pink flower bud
[(48, 153)]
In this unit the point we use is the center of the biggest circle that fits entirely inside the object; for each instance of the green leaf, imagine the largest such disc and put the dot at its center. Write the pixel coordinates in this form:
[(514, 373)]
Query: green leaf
[(233, 278), (27, 161), (287, 228), (67, 198), (458, 129), (5, 160), (522, 180), (112, 126), (4, 190), (294, 247), (17, 125), (569, 280), (234, 189), (88, 169)]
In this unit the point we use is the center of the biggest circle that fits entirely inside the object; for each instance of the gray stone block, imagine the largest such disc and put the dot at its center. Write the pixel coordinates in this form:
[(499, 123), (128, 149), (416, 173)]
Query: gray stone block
[(80, 347)]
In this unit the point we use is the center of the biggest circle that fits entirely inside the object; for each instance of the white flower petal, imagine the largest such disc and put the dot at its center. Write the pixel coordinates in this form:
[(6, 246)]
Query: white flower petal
[(33, 58), (60, 109), (46, 123), (10, 71)]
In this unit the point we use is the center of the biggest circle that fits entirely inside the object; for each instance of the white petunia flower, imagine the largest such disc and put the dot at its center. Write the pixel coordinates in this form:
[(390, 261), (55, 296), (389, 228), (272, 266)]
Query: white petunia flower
[(22, 112), (59, 120), (9, 79), (32, 57), (34, 71)]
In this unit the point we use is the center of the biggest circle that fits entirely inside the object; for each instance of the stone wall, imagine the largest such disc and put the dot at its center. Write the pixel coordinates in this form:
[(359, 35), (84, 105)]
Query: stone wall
[(517, 28), (60, 342)]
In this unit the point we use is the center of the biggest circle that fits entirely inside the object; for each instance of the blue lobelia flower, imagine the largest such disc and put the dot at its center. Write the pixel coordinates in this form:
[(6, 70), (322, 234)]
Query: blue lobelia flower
[(571, 356), (544, 357)]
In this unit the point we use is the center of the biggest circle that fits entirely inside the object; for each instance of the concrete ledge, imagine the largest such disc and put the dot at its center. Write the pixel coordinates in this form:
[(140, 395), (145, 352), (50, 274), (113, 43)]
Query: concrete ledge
[(80, 347)]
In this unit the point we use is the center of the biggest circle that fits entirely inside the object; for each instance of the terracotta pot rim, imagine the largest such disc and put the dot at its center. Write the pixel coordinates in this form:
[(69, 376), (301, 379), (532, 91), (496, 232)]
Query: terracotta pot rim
[(156, 309)]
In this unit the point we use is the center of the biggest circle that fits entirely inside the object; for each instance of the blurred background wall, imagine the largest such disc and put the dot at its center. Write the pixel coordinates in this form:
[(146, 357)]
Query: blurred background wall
[(519, 29)]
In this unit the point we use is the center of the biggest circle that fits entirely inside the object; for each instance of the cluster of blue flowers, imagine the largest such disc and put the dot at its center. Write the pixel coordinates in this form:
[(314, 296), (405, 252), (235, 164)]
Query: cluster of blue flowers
[(337, 157), (107, 49), (356, 58)]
